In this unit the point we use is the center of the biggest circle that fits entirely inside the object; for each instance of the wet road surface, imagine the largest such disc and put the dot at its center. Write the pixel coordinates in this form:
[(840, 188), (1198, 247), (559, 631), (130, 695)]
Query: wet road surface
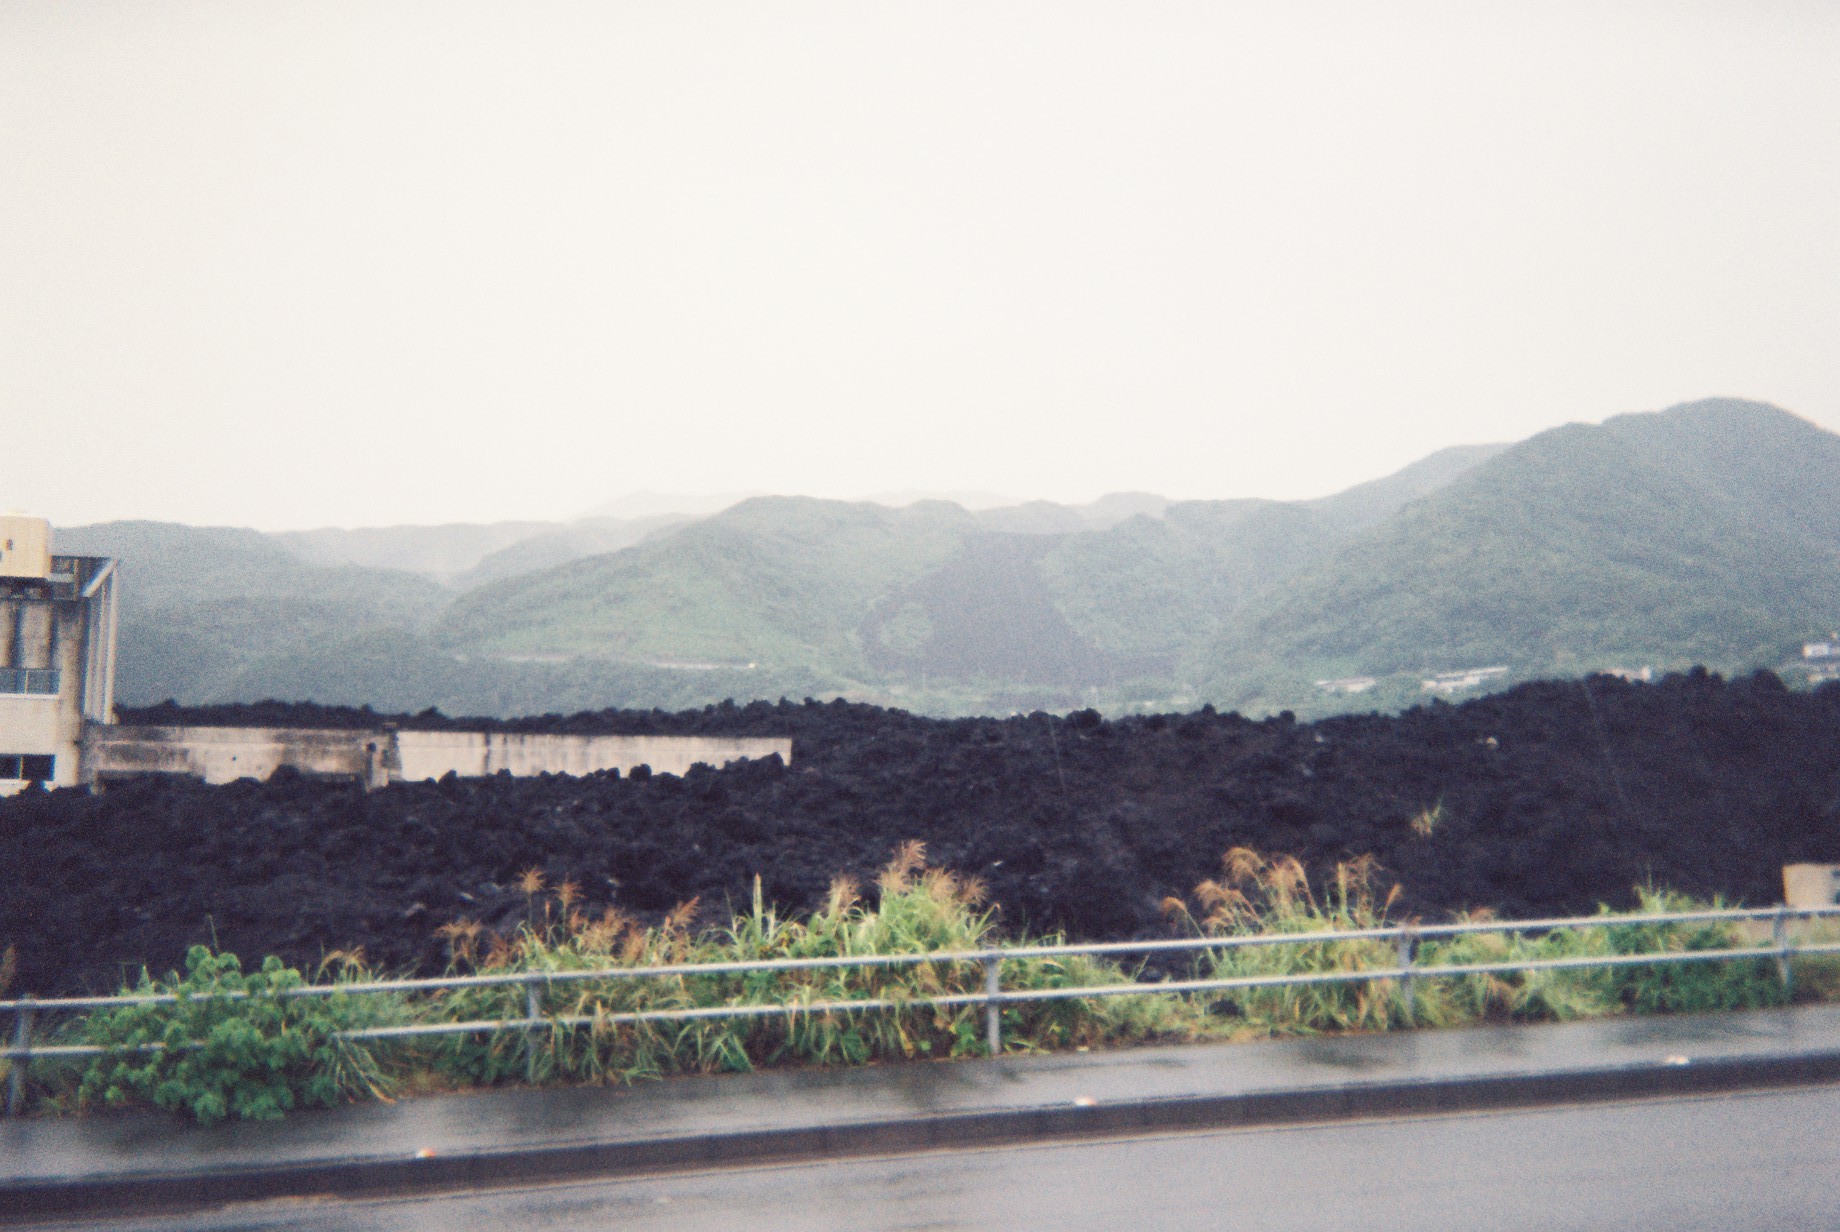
[(1753, 1160)]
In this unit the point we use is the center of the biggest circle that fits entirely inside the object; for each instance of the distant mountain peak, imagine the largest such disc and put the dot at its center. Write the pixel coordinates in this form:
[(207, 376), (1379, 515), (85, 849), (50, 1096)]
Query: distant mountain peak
[(972, 500), (1371, 503), (1722, 414), (657, 504), (1719, 407), (1706, 533)]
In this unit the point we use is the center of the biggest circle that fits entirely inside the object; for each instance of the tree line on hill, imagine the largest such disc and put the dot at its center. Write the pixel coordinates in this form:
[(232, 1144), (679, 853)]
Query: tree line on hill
[(1705, 534)]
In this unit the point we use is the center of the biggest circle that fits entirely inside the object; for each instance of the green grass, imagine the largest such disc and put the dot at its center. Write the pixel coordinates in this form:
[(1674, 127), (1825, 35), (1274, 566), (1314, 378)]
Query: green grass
[(238, 1046), (917, 910), (9, 964), (1258, 895)]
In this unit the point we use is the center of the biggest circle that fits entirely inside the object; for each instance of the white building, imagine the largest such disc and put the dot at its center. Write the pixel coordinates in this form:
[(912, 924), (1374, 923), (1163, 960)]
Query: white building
[(57, 654), (1456, 682)]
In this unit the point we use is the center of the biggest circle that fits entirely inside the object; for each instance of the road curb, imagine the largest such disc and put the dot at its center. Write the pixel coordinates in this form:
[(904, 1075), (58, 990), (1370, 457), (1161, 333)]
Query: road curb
[(373, 1177)]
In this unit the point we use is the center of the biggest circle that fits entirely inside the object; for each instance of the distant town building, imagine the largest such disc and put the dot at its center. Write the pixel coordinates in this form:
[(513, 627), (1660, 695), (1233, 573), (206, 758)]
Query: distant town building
[(1456, 682), (1821, 650), (1643, 673)]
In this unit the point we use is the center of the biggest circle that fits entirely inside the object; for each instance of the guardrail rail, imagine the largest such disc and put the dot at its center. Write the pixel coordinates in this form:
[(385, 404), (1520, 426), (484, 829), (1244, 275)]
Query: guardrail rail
[(29, 1012)]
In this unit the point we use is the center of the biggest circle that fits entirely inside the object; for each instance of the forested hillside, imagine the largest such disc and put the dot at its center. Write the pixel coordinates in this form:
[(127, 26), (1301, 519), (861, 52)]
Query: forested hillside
[(1708, 533)]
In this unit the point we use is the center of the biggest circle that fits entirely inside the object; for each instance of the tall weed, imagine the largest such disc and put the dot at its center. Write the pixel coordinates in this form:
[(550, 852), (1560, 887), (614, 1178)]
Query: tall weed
[(1265, 896), (916, 910), (1260, 895)]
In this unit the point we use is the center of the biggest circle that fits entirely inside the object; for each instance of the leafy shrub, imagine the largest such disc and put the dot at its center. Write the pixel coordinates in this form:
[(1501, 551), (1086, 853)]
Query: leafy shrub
[(232, 1044)]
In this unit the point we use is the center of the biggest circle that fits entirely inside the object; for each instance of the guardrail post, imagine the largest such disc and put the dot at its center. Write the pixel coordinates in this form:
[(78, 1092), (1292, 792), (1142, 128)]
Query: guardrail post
[(993, 1017), (16, 1071), (533, 1017), (1408, 947), (1779, 932)]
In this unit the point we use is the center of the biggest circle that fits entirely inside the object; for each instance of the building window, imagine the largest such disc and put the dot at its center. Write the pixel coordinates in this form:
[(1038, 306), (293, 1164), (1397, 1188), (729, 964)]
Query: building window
[(38, 680), (33, 767)]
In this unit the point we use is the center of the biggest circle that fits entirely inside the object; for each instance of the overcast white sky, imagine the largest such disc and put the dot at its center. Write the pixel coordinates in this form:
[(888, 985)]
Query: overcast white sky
[(296, 264)]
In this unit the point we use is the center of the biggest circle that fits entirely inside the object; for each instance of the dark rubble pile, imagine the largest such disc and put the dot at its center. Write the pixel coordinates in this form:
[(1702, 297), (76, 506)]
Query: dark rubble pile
[(1552, 797)]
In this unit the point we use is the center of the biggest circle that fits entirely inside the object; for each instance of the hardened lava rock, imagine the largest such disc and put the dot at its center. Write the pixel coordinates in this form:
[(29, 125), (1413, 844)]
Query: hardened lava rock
[(1549, 798)]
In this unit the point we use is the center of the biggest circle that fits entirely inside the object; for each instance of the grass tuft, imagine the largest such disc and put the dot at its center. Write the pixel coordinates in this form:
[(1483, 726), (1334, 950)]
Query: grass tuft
[(237, 1046), (917, 910)]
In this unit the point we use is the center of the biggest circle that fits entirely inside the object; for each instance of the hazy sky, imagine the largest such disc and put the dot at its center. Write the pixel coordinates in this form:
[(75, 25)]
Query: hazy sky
[(287, 265)]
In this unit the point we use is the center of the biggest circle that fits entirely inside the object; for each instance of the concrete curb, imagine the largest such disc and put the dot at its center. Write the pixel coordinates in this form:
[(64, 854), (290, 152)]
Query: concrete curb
[(348, 1178)]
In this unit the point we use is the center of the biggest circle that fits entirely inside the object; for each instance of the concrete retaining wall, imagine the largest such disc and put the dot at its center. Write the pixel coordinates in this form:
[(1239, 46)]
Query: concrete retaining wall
[(225, 754), (429, 755)]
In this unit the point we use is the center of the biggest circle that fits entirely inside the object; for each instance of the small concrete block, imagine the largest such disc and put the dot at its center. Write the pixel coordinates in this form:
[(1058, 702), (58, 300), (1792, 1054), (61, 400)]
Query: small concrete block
[(1811, 885)]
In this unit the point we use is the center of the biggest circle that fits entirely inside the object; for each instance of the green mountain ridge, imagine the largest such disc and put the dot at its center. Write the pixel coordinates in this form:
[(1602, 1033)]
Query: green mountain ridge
[(774, 579), (201, 606), (1707, 533), (468, 554)]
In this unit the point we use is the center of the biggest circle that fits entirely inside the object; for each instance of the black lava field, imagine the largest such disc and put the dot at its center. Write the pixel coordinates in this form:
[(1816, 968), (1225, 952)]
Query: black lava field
[(1555, 796)]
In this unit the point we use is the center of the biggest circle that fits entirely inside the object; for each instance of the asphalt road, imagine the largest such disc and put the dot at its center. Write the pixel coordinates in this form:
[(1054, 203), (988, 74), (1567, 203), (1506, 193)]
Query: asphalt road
[(1765, 1160)]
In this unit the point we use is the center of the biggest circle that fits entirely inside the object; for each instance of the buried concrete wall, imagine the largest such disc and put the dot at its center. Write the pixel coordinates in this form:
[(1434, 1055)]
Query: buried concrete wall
[(429, 755), (225, 754)]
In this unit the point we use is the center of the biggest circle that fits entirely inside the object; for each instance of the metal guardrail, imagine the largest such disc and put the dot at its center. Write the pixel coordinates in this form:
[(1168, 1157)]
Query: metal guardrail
[(1405, 937)]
